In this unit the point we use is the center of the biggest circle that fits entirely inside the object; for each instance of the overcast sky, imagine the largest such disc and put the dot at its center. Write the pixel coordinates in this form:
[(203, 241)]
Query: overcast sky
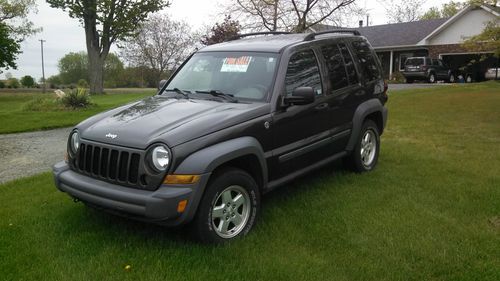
[(64, 34)]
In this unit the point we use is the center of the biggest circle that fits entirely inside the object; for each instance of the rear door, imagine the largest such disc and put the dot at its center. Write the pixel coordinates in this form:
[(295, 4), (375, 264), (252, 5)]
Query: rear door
[(342, 91), (368, 66)]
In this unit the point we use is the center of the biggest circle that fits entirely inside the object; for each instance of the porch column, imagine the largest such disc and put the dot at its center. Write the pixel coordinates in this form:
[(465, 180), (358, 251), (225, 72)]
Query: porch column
[(391, 63)]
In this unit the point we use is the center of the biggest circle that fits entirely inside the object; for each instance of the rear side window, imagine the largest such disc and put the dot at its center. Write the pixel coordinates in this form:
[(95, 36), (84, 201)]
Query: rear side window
[(336, 70), (366, 60), (349, 64), (415, 61), (303, 71)]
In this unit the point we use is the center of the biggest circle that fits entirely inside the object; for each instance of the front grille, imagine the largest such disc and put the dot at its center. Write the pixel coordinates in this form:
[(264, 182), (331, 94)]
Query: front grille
[(109, 163)]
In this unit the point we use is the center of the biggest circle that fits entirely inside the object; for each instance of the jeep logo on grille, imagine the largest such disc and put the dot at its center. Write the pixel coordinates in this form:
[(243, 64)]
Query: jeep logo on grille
[(111, 136)]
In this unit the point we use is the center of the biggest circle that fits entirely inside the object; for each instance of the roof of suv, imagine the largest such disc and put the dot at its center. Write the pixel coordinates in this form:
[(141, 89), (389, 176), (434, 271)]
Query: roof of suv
[(269, 43)]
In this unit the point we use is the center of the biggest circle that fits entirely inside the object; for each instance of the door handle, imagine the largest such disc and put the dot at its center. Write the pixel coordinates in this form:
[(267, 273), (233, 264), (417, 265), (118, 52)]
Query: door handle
[(321, 106)]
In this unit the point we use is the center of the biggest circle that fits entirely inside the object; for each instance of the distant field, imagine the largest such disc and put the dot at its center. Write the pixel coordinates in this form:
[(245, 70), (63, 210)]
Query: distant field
[(14, 119), (429, 211)]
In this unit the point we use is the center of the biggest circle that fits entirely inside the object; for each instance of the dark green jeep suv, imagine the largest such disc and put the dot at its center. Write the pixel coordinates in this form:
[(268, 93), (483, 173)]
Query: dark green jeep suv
[(236, 120)]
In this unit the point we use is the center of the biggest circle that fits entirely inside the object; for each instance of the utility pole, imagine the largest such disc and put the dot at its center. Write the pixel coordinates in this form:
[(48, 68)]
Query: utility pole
[(43, 68)]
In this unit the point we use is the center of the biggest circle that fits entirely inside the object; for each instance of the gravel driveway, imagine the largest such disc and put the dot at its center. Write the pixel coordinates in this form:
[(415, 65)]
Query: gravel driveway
[(26, 154)]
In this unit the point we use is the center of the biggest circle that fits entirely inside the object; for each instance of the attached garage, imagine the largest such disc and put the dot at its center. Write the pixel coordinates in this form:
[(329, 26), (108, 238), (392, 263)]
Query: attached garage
[(471, 65)]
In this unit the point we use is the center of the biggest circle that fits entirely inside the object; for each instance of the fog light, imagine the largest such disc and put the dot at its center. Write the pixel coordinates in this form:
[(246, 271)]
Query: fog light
[(182, 206), (181, 179)]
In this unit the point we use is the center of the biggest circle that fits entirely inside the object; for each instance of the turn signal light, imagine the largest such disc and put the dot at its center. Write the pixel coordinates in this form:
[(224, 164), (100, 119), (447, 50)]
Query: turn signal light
[(182, 206), (181, 179)]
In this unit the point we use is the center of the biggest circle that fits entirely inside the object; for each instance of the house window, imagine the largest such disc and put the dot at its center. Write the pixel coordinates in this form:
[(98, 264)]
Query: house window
[(402, 60)]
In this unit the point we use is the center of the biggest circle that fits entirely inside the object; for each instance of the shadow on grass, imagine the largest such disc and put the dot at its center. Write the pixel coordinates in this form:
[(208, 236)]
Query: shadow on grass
[(100, 223)]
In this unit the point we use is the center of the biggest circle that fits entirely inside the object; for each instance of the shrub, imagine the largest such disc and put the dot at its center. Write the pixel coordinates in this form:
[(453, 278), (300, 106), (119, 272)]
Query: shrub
[(13, 83), (42, 103), (77, 98), (398, 77), (2, 85), (82, 83), (28, 81)]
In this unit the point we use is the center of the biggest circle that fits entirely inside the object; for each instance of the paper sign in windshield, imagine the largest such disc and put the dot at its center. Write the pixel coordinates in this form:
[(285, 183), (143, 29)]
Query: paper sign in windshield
[(236, 64)]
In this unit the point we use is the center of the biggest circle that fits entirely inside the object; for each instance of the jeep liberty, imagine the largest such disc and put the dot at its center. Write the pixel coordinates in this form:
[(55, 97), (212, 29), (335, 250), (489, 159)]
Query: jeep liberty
[(236, 120)]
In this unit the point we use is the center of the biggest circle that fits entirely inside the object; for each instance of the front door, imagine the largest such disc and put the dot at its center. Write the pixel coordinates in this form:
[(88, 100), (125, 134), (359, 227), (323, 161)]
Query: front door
[(299, 129)]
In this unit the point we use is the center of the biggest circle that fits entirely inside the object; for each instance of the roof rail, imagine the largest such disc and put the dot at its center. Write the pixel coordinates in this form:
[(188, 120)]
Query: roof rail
[(239, 36), (313, 35)]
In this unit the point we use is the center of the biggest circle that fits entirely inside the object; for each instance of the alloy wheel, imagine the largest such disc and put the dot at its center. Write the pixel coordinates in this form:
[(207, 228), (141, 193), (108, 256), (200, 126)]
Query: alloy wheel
[(368, 148), (230, 211)]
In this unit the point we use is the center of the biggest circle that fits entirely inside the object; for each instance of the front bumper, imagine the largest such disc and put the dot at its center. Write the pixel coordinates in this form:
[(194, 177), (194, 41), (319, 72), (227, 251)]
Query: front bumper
[(159, 206)]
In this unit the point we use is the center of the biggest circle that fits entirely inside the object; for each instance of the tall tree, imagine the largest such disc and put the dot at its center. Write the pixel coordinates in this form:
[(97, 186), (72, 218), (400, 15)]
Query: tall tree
[(451, 8), (262, 14), (28, 81), (311, 12), (403, 11), (14, 14), (105, 22), (161, 44), (488, 40), (75, 66), (9, 48), (221, 32), (14, 28), (290, 15)]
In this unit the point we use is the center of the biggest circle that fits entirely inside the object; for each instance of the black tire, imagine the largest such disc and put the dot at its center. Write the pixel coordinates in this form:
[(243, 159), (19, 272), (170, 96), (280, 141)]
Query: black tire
[(432, 78), (409, 81), (203, 225), (355, 161)]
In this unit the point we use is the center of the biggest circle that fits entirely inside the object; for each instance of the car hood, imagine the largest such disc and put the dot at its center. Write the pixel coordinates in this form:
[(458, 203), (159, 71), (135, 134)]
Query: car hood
[(169, 120)]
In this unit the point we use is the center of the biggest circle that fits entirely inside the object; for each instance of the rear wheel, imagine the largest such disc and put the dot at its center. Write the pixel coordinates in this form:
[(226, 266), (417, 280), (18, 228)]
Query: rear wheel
[(228, 208), (451, 79), (409, 81), (364, 157)]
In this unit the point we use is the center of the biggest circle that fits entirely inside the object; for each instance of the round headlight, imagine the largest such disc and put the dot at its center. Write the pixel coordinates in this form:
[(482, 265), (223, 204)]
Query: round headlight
[(74, 142), (160, 157)]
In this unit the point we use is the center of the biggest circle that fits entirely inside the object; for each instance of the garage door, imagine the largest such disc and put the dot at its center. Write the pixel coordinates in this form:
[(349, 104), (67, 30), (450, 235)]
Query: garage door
[(472, 64)]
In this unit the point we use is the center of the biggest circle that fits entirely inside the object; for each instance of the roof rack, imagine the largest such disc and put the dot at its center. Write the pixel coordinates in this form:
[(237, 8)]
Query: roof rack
[(239, 36), (313, 35)]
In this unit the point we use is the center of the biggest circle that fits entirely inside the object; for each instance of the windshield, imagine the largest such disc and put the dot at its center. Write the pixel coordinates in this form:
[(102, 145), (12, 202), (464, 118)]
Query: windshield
[(415, 61), (243, 75)]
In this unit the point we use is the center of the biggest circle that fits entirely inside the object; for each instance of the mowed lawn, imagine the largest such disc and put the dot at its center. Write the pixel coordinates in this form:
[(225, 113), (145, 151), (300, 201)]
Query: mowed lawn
[(430, 211), (15, 118)]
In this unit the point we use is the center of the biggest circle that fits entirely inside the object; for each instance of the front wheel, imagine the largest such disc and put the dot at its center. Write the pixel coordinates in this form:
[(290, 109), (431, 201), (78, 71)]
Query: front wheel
[(229, 207), (432, 78), (364, 157)]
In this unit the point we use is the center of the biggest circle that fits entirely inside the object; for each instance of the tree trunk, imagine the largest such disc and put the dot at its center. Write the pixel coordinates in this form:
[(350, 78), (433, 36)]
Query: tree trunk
[(96, 72)]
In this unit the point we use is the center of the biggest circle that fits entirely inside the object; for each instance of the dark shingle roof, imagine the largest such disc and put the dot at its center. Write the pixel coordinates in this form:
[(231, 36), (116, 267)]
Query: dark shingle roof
[(396, 34), (400, 34)]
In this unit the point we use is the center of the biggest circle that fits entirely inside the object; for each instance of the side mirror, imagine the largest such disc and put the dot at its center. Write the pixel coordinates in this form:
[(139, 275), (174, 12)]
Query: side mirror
[(300, 96), (161, 84)]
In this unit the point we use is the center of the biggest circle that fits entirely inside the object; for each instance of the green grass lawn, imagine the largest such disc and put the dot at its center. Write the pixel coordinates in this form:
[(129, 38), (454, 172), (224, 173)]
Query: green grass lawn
[(14, 118), (430, 211)]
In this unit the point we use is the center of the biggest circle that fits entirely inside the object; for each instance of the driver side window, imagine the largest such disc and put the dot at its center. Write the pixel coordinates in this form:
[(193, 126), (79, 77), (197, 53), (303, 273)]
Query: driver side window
[(303, 71)]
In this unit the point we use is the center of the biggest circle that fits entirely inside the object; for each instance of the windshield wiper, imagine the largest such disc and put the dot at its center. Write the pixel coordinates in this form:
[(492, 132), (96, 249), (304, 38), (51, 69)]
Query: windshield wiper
[(217, 93), (179, 91)]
